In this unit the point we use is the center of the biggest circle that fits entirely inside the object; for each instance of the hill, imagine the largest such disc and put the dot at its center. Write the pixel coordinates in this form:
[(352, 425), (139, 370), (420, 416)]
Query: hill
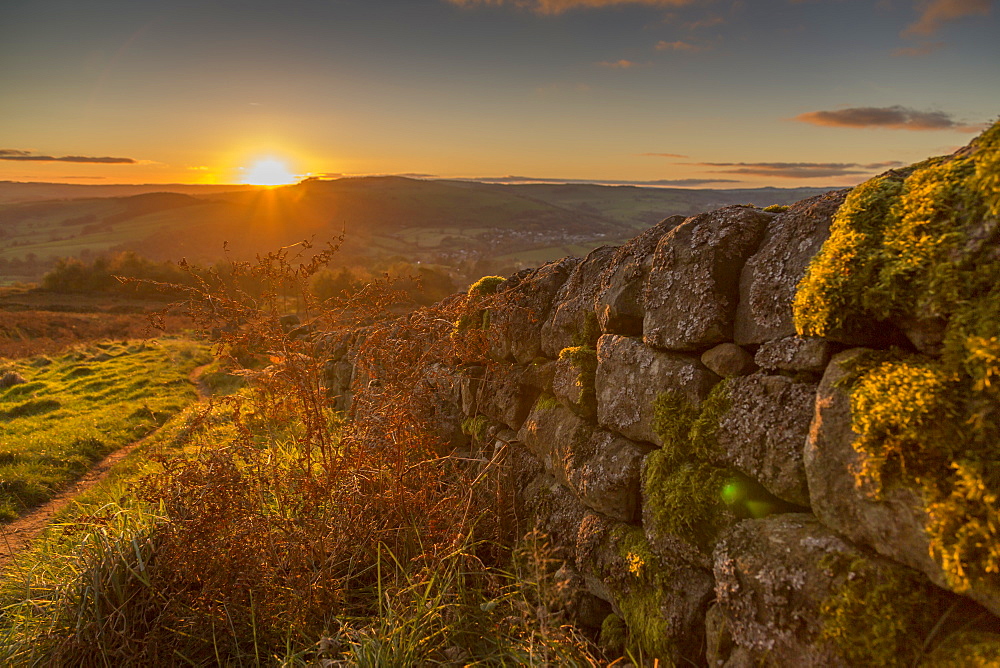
[(448, 222)]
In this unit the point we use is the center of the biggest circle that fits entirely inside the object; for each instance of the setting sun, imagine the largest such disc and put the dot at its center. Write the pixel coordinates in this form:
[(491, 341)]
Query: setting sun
[(269, 172)]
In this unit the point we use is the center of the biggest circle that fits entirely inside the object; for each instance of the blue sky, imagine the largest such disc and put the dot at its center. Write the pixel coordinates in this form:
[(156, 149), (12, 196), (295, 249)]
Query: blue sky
[(715, 93)]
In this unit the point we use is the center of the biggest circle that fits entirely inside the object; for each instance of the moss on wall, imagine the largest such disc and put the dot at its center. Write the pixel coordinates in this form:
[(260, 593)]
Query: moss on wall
[(476, 427), (649, 634), (878, 616), (584, 360), (908, 247), (673, 416), (487, 285), (686, 499)]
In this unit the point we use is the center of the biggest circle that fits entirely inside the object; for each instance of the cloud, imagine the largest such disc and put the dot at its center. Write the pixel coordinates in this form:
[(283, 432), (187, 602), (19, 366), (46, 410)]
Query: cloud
[(15, 154), (935, 13), (663, 155), (920, 50), (707, 22), (799, 170), (679, 45), (896, 118), (552, 7), (513, 180), (620, 64)]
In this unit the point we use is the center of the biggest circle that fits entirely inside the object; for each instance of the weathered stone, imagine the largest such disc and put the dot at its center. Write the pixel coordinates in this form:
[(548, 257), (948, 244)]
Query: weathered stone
[(794, 353), (572, 319), (575, 601), (526, 299), (471, 379), (894, 521), (554, 511), (600, 468), (728, 360), (794, 593), (772, 274), (629, 378), (539, 374), (693, 286), (336, 344), (505, 396), (762, 432), (926, 334), (719, 645), (662, 599), (573, 381), (619, 301)]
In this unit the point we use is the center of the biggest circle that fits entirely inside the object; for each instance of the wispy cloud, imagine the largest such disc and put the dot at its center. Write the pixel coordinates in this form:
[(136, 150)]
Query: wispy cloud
[(919, 50), (679, 45), (663, 155), (560, 6), (896, 118), (513, 180), (28, 156), (935, 13), (799, 170), (622, 64), (707, 22)]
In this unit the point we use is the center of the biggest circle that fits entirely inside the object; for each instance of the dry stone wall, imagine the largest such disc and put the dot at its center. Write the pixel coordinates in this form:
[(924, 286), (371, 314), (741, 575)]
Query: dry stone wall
[(694, 456)]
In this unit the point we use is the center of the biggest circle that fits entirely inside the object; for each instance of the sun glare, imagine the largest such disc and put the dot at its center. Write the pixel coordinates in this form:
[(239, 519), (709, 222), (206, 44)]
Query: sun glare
[(269, 172)]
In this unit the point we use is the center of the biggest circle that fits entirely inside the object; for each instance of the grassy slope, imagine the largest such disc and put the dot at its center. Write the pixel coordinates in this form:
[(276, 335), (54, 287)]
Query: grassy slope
[(78, 407)]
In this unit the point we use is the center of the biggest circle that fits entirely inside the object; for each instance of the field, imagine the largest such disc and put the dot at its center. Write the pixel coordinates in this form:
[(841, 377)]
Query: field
[(74, 408)]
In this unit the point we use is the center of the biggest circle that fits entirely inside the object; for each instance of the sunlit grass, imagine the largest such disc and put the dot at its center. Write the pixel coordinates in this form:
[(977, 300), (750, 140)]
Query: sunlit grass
[(78, 407)]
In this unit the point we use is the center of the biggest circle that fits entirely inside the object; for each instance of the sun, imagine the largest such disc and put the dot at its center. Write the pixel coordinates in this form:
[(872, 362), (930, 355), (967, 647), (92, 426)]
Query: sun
[(269, 172)]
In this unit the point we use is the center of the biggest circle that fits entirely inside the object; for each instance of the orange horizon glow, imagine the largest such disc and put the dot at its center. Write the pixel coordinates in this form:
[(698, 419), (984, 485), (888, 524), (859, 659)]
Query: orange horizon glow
[(269, 172)]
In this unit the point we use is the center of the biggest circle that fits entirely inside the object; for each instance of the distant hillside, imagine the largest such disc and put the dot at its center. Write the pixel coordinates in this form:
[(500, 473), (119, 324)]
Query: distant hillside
[(448, 222), (16, 191)]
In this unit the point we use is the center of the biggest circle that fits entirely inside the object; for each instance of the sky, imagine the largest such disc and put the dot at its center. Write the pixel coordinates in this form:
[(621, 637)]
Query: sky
[(691, 93)]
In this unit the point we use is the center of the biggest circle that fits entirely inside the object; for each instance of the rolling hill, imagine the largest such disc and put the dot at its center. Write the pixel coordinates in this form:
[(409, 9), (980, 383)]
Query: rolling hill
[(446, 222)]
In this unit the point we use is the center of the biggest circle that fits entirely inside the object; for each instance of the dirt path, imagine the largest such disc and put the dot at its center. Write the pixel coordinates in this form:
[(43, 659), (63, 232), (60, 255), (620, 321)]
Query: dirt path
[(16, 535)]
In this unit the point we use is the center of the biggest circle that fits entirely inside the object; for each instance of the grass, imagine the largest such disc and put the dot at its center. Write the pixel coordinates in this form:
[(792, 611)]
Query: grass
[(77, 407), (102, 582), (270, 530)]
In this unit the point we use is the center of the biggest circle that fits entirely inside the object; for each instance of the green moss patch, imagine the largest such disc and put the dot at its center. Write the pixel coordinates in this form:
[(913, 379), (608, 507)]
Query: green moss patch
[(584, 359), (487, 285), (686, 499), (877, 616), (966, 649), (648, 635), (673, 416), (476, 427), (589, 332)]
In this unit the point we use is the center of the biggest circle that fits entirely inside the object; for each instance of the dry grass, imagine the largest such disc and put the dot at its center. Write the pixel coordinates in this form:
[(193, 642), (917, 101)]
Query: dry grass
[(295, 537)]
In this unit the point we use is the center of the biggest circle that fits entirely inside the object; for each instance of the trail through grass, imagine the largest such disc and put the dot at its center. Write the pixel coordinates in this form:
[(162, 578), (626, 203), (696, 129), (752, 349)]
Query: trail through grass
[(78, 407)]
